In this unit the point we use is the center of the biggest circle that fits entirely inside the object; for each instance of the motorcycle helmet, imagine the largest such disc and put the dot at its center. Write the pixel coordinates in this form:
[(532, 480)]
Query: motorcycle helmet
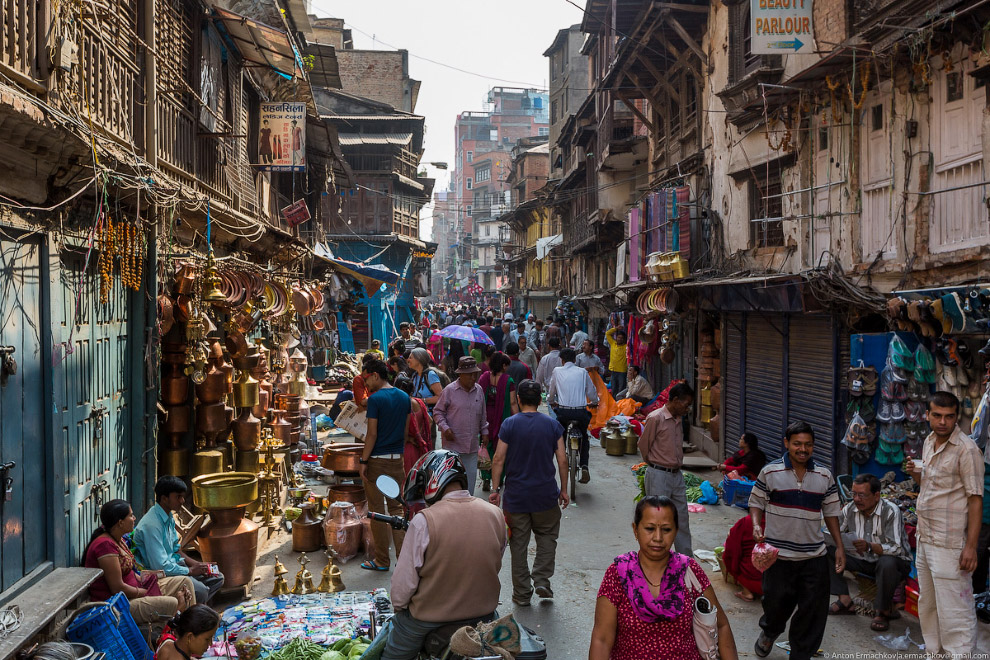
[(431, 475)]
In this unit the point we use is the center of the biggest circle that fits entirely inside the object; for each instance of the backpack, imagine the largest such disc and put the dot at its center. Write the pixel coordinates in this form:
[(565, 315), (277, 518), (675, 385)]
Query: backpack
[(442, 375)]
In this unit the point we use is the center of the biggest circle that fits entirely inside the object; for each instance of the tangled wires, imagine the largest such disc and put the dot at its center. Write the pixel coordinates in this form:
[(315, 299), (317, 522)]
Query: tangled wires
[(840, 296)]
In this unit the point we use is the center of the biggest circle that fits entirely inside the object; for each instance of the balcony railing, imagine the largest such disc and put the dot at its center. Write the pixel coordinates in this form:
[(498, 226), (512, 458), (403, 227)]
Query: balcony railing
[(23, 28), (105, 81)]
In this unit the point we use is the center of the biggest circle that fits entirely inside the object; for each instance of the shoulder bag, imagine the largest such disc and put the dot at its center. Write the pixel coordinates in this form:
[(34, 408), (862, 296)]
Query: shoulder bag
[(705, 620)]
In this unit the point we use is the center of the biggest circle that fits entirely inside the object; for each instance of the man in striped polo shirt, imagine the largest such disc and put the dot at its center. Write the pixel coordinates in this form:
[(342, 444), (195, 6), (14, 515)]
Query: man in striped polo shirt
[(787, 504)]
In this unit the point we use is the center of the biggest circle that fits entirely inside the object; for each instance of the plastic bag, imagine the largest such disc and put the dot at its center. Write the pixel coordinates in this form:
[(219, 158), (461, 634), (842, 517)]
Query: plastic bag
[(248, 644), (696, 508), (902, 643), (764, 555), (343, 530), (708, 494)]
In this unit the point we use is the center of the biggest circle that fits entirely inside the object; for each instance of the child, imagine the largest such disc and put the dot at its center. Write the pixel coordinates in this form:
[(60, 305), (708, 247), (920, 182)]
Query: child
[(376, 350), (189, 634)]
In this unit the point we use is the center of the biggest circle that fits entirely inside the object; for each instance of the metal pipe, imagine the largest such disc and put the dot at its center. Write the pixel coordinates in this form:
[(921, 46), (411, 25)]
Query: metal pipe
[(803, 190), (150, 86), (943, 190)]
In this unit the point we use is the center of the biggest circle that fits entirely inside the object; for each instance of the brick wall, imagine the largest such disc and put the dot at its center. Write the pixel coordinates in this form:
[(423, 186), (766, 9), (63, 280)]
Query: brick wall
[(831, 23), (374, 74)]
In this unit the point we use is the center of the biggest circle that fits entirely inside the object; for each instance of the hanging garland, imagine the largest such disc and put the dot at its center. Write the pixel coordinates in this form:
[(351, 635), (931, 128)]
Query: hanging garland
[(832, 87), (864, 84)]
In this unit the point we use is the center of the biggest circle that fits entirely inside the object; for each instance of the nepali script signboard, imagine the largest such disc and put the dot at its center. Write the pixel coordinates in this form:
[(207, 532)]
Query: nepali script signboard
[(782, 27), (282, 137)]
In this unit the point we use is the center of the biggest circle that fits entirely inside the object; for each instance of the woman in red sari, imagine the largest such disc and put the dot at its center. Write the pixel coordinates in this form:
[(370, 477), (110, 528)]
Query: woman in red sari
[(419, 436), (738, 558), (500, 404)]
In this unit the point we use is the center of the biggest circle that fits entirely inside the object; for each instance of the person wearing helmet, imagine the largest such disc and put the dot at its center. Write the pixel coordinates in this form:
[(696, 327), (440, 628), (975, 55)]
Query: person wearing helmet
[(433, 586)]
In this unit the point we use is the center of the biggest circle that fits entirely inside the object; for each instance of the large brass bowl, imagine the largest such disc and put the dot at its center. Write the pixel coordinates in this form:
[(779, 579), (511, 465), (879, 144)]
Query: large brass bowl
[(227, 490)]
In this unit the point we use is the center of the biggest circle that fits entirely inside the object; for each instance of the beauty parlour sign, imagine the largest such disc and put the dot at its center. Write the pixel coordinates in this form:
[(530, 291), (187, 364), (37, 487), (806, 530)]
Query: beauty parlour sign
[(782, 26)]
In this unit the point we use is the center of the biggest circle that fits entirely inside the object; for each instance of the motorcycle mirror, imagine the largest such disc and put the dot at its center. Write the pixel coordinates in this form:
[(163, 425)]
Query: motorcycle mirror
[(388, 486)]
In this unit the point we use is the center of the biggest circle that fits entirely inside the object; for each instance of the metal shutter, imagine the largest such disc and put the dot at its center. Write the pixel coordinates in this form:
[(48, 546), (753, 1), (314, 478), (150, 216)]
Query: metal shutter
[(764, 383), (732, 380), (811, 380)]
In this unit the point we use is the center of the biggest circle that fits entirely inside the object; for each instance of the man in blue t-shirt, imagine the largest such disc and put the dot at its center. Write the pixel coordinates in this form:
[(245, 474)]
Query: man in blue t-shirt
[(528, 443), (388, 416)]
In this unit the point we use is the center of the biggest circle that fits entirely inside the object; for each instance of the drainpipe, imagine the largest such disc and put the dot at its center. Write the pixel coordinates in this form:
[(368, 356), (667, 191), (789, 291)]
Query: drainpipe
[(149, 417)]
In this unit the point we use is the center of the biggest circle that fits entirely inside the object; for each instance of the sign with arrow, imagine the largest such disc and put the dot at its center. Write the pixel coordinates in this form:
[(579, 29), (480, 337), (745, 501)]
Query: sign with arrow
[(781, 27)]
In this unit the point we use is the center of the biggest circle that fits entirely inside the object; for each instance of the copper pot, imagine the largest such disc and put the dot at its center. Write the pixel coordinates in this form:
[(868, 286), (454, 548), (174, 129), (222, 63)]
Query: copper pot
[(261, 410), (346, 459), (352, 493), (246, 430), (211, 421), (281, 428), (343, 529), (215, 353), (289, 402), (212, 389), (184, 280), (307, 530), (178, 422), (175, 389), (236, 344), (230, 540)]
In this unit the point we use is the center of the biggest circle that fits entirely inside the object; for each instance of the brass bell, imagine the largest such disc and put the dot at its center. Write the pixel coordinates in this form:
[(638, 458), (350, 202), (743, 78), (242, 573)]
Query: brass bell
[(332, 581), (281, 586), (213, 294), (304, 579)]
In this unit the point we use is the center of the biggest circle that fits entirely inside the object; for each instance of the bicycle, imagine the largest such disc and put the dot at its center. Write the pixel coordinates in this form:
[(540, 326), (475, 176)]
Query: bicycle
[(574, 437)]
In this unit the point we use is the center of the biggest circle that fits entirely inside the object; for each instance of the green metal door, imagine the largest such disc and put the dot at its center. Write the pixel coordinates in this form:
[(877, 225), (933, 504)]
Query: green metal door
[(25, 517), (94, 396)]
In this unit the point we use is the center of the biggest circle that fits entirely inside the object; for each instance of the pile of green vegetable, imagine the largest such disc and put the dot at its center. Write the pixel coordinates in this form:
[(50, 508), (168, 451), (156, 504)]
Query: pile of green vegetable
[(303, 649)]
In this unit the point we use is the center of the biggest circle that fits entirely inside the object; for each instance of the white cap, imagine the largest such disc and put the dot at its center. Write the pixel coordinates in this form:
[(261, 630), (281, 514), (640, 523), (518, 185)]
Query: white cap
[(508, 316)]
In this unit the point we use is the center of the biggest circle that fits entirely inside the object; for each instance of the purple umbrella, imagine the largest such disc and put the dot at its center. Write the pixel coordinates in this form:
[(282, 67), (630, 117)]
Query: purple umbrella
[(466, 333)]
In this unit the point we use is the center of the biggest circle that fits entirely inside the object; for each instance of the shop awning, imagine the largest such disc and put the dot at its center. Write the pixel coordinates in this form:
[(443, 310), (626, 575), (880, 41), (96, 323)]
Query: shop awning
[(544, 245), (259, 43), (371, 276), (769, 293)]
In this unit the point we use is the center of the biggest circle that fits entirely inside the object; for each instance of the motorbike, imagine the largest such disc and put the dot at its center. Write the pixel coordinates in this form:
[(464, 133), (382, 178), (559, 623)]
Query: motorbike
[(437, 644)]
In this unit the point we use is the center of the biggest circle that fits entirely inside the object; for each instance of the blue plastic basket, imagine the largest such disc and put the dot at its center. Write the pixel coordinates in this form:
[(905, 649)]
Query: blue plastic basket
[(735, 492), (135, 640), (100, 627)]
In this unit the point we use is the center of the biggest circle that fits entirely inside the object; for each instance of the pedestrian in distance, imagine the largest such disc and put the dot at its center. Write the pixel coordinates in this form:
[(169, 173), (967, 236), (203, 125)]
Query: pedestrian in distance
[(587, 359), (949, 511), (662, 446), (500, 404), (388, 414), (549, 362), (880, 549), (787, 503), (461, 416), (528, 356), (517, 370), (617, 361), (645, 606), (530, 448)]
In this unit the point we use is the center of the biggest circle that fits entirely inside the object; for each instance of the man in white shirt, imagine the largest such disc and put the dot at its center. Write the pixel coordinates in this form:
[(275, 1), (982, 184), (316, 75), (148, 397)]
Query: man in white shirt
[(527, 355), (570, 393), (637, 388), (578, 339), (549, 362)]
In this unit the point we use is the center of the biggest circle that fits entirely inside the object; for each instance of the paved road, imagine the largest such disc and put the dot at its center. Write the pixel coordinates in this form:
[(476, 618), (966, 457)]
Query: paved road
[(592, 534)]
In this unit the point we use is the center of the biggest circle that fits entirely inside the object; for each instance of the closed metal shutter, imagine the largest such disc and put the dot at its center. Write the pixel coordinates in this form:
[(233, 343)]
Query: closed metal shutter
[(811, 381), (732, 381), (764, 383)]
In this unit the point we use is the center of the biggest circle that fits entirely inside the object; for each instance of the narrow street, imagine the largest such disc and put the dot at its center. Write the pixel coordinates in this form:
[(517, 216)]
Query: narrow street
[(592, 534)]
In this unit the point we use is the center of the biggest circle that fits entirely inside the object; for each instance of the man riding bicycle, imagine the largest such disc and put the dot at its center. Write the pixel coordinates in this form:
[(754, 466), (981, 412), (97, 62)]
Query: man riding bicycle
[(570, 393)]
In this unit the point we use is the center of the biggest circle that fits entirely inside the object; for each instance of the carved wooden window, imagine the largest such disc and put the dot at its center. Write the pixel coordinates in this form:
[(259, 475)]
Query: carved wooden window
[(174, 30), (741, 60)]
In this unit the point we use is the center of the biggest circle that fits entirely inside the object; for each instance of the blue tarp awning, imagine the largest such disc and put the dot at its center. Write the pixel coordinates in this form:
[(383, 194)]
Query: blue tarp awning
[(371, 276)]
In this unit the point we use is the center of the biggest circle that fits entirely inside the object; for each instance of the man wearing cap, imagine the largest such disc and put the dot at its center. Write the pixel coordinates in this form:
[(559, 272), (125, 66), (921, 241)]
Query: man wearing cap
[(571, 392), (529, 446), (460, 416)]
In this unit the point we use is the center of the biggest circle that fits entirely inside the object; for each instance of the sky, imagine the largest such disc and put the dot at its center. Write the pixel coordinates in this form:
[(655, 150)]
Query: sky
[(499, 40)]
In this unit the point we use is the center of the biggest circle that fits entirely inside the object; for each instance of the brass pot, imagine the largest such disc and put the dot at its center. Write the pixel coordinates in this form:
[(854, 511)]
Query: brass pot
[(228, 490), (352, 493), (246, 391), (207, 462), (281, 428), (247, 461), (246, 430), (212, 389), (629, 435), (345, 460), (307, 530), (615, 444)]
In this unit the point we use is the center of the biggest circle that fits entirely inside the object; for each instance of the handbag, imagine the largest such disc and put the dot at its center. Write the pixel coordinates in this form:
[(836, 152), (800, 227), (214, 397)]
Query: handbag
[(705, 620)]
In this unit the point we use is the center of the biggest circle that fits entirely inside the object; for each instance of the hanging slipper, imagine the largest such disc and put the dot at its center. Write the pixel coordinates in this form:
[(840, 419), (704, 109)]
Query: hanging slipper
[(965, 355), (884, 413), (900, 355)]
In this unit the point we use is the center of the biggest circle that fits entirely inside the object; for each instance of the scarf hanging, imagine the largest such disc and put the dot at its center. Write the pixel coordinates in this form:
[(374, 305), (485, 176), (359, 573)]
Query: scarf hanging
[(673, 597)]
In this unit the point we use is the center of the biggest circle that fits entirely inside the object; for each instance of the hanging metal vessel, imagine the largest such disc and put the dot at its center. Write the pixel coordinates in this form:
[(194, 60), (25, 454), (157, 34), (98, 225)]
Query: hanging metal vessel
[(246, 391)]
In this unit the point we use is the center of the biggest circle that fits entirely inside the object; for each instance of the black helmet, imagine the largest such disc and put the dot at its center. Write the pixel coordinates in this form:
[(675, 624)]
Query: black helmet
[(431, 474)]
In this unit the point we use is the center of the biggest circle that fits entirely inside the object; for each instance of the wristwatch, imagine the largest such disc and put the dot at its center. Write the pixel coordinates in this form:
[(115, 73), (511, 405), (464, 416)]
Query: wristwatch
[(362, 461), (498, 490)]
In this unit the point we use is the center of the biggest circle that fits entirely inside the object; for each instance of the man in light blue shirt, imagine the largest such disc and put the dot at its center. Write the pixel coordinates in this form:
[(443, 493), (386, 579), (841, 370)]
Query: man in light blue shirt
[(157, 541)]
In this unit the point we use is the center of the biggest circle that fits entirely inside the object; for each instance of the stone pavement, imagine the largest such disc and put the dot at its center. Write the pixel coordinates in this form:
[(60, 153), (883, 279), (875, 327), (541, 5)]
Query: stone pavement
[(592, 534)]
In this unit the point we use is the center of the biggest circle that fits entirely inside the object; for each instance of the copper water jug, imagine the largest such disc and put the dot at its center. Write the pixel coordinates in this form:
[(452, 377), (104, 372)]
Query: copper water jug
[(246, 431), (307, 530)]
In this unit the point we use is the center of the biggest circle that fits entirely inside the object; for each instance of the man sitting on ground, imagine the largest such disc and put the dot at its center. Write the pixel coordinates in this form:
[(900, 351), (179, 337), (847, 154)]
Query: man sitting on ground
[(637, 388)]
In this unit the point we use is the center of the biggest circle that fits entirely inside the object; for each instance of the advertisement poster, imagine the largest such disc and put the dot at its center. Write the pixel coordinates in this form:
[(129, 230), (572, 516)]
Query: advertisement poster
[(282, 137)]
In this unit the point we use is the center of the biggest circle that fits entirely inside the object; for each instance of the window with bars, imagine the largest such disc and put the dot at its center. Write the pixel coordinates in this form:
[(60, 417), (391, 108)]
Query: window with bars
[(766, 211), (742, 61)]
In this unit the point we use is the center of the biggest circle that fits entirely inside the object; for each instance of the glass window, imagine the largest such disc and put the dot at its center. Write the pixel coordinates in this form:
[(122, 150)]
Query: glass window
[(953, 86)]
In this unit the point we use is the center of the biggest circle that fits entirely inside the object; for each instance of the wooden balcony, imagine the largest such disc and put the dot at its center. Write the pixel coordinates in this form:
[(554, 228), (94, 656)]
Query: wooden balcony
[(24, 27)]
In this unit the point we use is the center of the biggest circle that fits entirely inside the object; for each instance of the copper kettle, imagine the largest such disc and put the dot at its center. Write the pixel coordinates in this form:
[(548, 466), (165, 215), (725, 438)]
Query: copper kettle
[(307, 530)]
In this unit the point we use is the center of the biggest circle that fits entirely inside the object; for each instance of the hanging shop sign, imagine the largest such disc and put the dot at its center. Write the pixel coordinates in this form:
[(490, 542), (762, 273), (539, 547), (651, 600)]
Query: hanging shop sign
[(296, 213), (782, 26), (282, 137)]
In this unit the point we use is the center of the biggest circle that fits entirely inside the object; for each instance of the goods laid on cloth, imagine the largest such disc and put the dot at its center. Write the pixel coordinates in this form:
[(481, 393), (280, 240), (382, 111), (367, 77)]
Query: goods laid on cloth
[(316, 626)]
